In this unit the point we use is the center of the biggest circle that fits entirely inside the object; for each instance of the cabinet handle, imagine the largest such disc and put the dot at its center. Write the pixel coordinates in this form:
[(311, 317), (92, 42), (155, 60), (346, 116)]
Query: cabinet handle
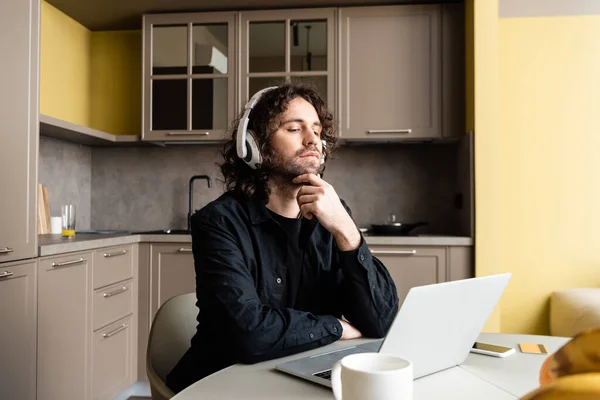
[(395, 252), (66, 263), (6, 250), (112, 333), (6, 274), (400, 131), (115, 292), (188, 133), (184, 250), (116, 253)]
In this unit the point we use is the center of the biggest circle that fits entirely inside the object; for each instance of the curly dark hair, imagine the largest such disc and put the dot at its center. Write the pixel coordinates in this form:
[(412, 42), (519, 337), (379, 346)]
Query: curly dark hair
[(265, 119)]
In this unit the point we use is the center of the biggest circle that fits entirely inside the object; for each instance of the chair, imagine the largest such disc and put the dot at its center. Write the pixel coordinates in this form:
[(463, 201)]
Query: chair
[(170, 336)]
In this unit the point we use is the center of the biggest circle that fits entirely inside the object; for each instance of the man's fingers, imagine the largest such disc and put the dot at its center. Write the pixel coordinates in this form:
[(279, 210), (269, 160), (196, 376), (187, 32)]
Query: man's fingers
[(307, 198), (313, 179), (306, 210)]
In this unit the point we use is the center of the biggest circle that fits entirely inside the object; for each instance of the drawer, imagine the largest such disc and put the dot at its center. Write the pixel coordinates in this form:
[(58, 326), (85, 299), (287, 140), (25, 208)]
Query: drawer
[(112, 357), (112, 264), (112, 302)]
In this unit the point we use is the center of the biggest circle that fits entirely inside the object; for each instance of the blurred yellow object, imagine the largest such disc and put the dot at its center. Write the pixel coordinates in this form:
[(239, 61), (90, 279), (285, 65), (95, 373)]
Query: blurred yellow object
[(573, 371), (581, 354), (584, 386)]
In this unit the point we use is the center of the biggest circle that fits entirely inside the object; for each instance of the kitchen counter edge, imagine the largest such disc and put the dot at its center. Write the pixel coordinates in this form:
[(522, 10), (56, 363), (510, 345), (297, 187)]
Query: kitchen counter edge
[(50, 245)]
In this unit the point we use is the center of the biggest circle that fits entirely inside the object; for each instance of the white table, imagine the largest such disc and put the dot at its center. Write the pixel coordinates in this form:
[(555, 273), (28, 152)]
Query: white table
[(479, 377)]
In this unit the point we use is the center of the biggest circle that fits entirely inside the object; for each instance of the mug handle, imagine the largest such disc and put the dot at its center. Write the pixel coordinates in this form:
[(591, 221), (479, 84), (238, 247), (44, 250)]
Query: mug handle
[(336, 380)]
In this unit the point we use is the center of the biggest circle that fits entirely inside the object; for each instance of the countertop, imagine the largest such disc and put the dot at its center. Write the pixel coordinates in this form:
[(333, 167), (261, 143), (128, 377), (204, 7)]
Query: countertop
[(54, 244)]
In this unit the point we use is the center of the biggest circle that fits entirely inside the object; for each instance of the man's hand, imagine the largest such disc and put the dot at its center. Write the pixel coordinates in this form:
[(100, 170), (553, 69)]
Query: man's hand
[(348, 331), (319, 198)]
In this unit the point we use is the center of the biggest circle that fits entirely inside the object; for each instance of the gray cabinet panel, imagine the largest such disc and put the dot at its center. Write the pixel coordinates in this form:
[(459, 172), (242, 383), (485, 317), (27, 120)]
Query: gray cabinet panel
[(19, 28), (171, 273), (18, 312), (64, 327), (390, 72), (412, 266)]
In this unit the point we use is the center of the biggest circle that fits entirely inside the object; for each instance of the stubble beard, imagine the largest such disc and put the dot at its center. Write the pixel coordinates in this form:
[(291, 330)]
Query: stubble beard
[(285, 170)]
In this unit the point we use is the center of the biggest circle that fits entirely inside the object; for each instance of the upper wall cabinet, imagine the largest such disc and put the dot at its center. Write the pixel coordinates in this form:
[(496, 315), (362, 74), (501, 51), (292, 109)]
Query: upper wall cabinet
[(19, 110), (390, 72), (287, 45), (189, 76)]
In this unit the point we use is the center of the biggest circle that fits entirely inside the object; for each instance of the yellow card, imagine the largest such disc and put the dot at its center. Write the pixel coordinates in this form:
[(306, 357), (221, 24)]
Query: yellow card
[(533, 348)]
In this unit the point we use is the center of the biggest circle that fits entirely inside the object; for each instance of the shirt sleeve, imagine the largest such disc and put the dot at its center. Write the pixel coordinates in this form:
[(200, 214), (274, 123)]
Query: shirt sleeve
[(370, 299), (225, 285)]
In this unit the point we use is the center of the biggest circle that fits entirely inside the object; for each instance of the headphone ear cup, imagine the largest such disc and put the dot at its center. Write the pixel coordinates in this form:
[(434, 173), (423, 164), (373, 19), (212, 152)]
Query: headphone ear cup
[(253, 157)]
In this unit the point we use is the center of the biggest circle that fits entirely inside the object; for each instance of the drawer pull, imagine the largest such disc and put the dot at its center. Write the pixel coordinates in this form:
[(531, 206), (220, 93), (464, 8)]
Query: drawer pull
[(116, 253), (67, 263), (115, 292), (188, 133), (6, 250), (6, 274), (380, 131), (394, 252), (184, 250), (112, 333)]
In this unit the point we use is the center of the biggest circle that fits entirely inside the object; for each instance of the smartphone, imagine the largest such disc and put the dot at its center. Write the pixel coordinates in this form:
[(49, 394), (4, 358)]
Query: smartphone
[(491, 349)]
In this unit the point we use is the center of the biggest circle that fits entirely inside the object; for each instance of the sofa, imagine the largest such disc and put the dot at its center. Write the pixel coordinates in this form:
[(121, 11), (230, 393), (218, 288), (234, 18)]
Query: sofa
[(574, 310)]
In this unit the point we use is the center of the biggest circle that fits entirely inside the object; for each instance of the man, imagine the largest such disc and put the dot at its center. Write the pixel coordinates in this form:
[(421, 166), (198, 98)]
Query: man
[(280, 264)]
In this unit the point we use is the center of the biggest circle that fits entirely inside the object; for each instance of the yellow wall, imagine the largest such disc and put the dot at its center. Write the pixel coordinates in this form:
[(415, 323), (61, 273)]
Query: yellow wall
[(537, 167), (116, 82), (64, 67), (90, 78)]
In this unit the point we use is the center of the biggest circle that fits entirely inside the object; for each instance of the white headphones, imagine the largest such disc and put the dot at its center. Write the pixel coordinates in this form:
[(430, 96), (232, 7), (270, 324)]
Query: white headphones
[(246, 143)]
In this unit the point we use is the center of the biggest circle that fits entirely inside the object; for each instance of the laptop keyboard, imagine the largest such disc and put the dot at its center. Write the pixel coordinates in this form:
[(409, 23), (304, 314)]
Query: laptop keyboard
[(324, 374)]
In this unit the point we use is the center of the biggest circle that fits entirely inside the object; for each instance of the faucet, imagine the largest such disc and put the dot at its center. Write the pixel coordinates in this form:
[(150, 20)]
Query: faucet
[(191, 200)]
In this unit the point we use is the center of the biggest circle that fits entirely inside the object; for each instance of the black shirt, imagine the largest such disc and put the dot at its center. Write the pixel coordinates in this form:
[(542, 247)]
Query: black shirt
[(297, 234), (250, 309)]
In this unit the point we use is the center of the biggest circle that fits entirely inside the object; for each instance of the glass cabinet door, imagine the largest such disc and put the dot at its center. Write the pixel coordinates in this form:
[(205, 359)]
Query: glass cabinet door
[(188, 76), (287, 46)]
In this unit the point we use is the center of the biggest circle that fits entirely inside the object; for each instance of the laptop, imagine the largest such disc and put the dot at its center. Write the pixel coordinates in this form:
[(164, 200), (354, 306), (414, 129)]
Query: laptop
[(435, 328)]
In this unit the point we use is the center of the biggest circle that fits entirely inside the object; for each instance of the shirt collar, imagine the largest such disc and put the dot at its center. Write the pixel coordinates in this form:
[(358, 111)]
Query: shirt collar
[(257, 210), (259, 213)]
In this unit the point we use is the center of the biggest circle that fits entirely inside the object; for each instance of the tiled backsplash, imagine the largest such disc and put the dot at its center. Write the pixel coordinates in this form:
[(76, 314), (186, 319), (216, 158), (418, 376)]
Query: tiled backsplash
[(147, 188), (65, 168)]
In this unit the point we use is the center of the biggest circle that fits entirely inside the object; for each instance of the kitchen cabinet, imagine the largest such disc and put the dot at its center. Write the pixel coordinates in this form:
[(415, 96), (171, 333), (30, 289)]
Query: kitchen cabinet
[(165, 270), (453, 70), (287, 45), (19, 28), (64, 327), (390, 72), (114, 327), (18, 313), (189, 76), (171, 273), (87, 324), (412, 266)]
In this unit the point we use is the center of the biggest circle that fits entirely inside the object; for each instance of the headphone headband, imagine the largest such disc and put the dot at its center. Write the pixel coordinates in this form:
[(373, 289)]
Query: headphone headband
[(242, 130)]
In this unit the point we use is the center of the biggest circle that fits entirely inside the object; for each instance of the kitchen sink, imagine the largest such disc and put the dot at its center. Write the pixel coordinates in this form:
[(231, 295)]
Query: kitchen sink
[(164, 232)]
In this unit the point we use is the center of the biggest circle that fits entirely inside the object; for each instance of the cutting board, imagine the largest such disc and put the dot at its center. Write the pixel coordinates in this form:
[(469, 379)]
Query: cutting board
[(43, 209)]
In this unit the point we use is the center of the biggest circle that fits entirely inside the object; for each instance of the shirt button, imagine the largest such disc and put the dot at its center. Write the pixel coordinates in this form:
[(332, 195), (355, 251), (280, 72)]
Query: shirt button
[(334, 329), (361, 258), (311, 336), (278, 280)]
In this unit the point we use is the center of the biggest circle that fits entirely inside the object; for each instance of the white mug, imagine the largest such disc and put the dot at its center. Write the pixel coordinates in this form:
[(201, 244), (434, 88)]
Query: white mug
[(373, 376)]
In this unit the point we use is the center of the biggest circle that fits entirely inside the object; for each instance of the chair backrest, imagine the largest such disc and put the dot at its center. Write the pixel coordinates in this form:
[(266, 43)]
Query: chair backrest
[(172, 330)]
